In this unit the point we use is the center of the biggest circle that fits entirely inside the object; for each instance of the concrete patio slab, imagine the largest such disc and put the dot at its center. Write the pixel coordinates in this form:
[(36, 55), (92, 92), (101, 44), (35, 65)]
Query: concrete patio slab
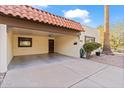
[(47, 76), (1, 77), (112, 77), (87, 83), (84, 67), (20, 62), (61, 71)]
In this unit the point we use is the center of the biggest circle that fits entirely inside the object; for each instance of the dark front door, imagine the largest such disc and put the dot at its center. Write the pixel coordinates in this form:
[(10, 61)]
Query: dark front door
[(51, 46)]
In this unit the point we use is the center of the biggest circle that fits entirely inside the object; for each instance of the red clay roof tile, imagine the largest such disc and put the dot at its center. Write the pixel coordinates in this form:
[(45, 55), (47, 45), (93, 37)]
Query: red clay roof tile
[(30, 13)]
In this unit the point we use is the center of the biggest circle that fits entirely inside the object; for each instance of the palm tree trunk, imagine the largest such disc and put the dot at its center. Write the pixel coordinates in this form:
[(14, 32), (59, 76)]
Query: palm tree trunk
[(106, 44)]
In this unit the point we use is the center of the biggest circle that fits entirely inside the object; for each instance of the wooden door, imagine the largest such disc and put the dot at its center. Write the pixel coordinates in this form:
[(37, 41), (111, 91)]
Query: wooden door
[(51, 46)]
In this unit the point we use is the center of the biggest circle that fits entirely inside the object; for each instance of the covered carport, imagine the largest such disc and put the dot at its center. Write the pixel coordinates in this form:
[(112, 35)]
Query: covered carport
[(40, 52), (40, 27)]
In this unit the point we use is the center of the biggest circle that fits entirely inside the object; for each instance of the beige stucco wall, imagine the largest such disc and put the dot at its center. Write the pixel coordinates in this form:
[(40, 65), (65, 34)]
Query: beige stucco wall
[(9, 46), (65, 45), (39, 45), (92, 32)]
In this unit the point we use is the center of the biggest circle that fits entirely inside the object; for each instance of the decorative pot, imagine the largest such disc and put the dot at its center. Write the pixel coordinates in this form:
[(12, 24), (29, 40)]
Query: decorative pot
[(98, 53)]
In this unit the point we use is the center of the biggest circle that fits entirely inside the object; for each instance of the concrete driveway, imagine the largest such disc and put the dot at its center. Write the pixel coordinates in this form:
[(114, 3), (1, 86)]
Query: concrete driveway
[(58, 71)]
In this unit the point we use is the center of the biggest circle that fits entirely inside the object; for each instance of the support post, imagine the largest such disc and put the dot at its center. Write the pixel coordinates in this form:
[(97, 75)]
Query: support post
[(3, 48)]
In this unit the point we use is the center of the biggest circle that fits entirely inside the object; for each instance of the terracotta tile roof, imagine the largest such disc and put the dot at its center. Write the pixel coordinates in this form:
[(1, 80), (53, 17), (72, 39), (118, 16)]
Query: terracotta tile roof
[(29, 13)]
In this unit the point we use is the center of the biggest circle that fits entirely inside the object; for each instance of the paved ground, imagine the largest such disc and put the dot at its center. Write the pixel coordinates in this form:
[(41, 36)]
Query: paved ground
[(1, 77), (114, 60), (48, 71), (32, 60)]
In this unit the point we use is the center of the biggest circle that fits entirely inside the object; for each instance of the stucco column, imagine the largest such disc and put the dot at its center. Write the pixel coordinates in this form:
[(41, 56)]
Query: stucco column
[(3, 48)]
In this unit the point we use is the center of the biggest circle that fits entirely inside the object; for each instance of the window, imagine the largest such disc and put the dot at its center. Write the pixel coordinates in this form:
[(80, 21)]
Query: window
[(24, 42), (89, 39)]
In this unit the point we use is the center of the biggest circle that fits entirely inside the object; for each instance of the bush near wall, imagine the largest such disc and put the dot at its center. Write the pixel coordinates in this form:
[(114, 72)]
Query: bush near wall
[(89, 47)]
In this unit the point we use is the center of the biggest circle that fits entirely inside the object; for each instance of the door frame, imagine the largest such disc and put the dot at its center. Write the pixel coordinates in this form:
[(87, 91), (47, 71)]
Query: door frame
[(51, 46)]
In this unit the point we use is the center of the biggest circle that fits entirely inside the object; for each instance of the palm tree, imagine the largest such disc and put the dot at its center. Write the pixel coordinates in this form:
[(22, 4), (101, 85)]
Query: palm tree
[(106, 44)]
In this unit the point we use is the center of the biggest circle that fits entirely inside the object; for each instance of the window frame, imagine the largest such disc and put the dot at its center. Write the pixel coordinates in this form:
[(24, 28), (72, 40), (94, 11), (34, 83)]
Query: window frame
[(20, 39), (90, 37)]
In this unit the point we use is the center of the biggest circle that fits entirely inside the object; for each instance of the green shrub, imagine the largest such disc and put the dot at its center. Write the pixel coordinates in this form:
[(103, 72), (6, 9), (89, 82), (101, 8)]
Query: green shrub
[(89, 47)]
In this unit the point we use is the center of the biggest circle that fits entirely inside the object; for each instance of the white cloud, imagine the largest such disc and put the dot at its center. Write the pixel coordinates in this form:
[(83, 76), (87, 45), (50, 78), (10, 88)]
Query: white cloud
[(78, 13), (43, 5), (87, 20), (40, 6)]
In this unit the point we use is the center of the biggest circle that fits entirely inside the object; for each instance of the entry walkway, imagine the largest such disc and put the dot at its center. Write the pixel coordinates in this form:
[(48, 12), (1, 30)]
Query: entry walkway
[(53, 71)]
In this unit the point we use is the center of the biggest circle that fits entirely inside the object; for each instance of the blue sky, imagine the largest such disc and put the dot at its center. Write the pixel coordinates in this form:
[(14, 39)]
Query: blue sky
[(91, 15)]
